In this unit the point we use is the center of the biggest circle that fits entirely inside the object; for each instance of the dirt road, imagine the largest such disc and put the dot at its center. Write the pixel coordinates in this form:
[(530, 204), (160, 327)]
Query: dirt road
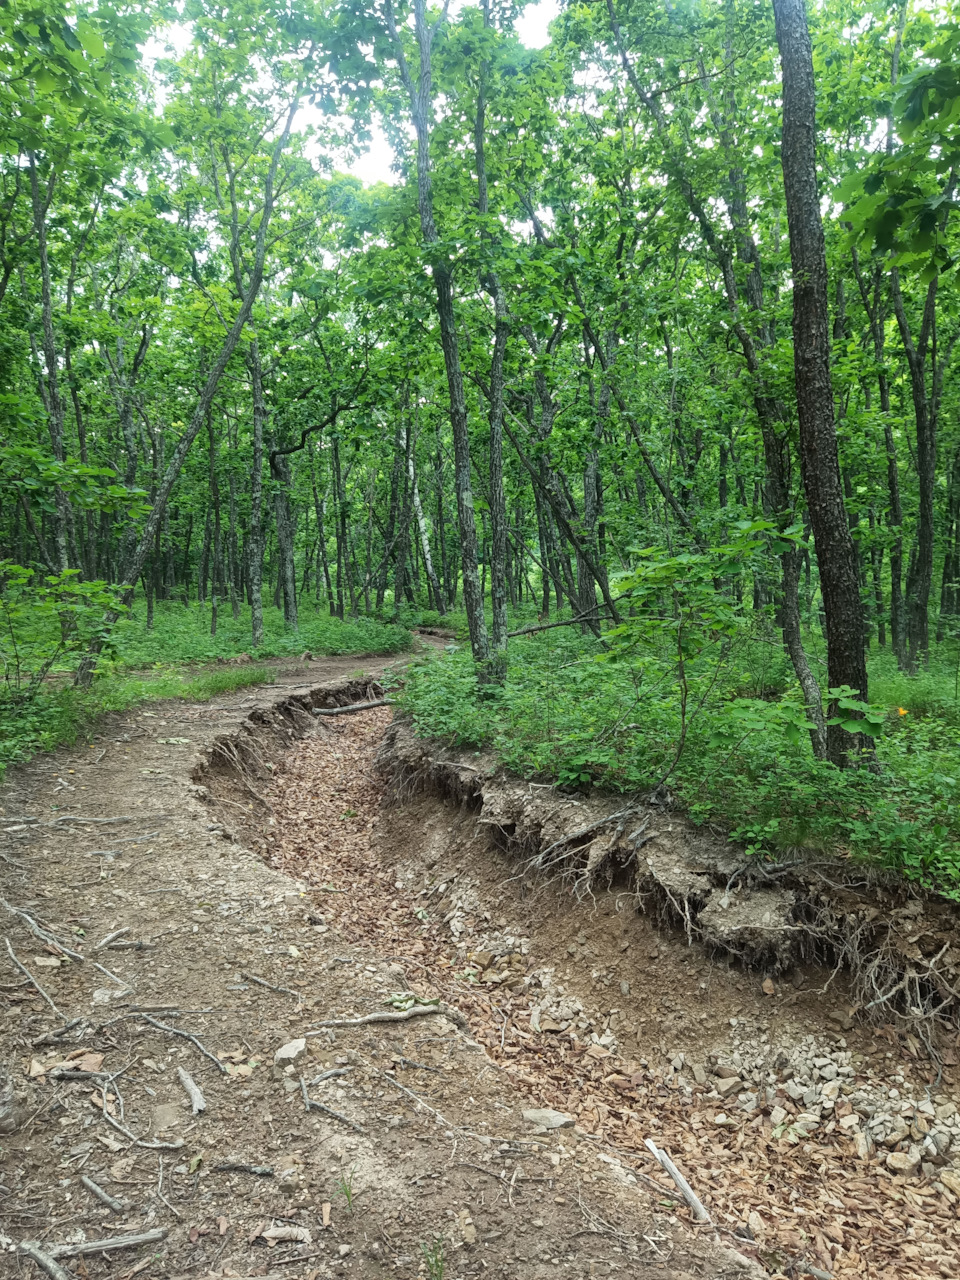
[(172, 1075)]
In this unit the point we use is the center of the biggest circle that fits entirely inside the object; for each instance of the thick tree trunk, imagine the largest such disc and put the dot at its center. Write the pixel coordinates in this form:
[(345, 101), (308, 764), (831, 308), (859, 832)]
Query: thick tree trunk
[(820, 466)]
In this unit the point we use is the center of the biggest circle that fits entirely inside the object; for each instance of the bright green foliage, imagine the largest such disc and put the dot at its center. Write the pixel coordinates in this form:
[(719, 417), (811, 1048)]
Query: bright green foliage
[(182, 634), (571, 715)]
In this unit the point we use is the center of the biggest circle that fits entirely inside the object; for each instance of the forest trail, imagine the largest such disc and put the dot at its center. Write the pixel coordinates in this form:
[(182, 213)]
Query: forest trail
[(246, 910)]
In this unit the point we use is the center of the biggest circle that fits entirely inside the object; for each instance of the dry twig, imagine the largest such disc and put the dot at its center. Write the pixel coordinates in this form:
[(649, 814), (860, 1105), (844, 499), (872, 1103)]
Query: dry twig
[(32, 980), (110, 1201), (175, 1031), (311, 1105), (197, 1100)]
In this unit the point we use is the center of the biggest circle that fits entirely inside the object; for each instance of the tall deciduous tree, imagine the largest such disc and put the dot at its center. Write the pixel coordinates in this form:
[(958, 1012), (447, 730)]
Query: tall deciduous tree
[(839, 578)]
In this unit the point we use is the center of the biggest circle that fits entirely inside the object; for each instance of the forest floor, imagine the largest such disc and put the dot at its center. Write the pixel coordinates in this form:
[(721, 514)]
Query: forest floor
[(248, 911)]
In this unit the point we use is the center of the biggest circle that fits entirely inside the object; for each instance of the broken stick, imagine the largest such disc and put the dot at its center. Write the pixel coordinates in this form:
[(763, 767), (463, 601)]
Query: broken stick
[(310, 1105), (197, 1100), (30, 1249), (699, 1212), (110, 1201), (417, 1011), (356, 706)]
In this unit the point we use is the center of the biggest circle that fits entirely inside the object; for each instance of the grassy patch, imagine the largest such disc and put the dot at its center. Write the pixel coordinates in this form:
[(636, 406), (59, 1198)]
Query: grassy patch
[(573, 714), (181, 633), (55, 717)]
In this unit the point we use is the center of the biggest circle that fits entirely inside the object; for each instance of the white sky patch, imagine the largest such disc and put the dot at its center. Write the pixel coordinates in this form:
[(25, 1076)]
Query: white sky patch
[(375, 163)]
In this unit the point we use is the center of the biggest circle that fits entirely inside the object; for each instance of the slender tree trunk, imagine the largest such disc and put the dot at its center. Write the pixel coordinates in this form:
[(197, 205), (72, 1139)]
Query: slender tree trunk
[(420, 95), (255, 531), (836, 555), (53, 402)]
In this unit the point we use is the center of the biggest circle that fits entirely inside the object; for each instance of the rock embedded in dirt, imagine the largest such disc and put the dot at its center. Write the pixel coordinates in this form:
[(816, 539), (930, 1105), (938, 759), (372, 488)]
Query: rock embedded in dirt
[(547, 1118), (290, 1052), (729, 1085), (951, 1180), (905, 1162)]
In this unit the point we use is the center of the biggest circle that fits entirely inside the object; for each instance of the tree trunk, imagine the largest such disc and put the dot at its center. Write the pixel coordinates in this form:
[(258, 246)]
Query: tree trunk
[(420, 95), (820, 466), (255, 532)]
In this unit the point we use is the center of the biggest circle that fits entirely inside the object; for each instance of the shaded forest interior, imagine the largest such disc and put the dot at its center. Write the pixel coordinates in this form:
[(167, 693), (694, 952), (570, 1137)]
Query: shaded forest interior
[(637, 376)]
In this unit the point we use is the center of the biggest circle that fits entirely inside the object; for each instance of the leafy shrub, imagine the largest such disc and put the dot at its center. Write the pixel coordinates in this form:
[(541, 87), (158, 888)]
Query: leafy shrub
[(573, 714)]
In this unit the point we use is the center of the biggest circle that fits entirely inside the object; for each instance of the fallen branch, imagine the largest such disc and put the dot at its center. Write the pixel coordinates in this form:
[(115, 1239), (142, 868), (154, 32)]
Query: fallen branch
[(29, 976), (30, 1249), (197, 1100), (140, 1142), (699, 1212), (417, 1011), (356, 706), (261, 1170), (38, 932), (110, 1201), (261, 982), (111, 937), (175, 1031), (110, 1245), (310, 1105)]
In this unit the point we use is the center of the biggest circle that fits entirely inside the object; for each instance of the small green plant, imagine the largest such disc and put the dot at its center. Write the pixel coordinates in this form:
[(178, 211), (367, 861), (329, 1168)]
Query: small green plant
[(434, 1257), (343, 1187)]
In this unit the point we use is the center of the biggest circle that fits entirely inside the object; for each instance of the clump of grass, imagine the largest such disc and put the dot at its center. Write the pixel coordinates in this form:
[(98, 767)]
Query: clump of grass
[(575, 715), (53, 717)]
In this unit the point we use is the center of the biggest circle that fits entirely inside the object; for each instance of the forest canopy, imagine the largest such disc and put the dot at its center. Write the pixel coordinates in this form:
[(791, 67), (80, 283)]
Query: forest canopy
[(638, 378)]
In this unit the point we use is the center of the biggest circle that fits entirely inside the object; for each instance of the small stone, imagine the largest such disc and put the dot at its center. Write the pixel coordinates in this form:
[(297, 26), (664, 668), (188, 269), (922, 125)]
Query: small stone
[(166, 1116), (728, 1086), (756, 1224), (677, 1062), (547, 1118), (862, 1146), (290, 1052), (699, 1074), (851, 1121), (777, 1116), (343, 1250), (769, 987), (726, 1073), (829, 1072), (905, 1162), (624, 988)]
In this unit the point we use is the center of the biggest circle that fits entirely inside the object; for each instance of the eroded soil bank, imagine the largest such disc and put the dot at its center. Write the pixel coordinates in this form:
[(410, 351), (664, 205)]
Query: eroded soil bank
[(813, 1139), (162, 949)]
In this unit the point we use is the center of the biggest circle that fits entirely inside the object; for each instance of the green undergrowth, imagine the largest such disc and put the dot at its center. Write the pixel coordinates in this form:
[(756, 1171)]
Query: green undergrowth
[(739, 755), (181, 633), (40, 710), (55, 716)]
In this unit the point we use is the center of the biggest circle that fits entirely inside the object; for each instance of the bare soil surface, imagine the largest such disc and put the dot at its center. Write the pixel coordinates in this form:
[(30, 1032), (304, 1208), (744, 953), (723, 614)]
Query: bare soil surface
[(191, 895)]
